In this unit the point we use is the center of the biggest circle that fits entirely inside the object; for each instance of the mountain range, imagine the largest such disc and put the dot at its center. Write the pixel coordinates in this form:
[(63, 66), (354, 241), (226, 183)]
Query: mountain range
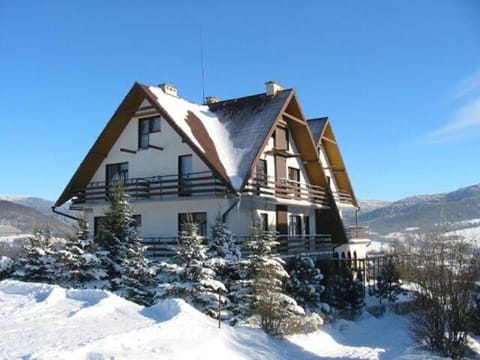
[(424, 212)]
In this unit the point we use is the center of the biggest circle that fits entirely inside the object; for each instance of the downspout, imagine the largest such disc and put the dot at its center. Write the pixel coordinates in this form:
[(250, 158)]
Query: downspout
[(64, 214), (224, 216), (356, 215)]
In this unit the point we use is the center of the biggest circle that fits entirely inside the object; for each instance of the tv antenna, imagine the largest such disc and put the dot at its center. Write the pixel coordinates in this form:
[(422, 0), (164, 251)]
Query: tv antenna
[(202, 65)]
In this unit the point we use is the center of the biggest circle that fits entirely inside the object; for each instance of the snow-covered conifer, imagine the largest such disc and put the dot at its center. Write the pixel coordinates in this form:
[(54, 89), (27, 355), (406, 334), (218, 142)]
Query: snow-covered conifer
[(278, 313), (304, 284), (121, 252), (79, 266), (194, 279), (222, 243), (38, 263), (346, 293), (6, 267)]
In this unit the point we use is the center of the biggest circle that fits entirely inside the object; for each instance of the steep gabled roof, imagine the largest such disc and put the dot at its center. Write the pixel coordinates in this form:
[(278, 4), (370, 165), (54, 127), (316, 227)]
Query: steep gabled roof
[(317, 127), (322, 133), (227, 135)]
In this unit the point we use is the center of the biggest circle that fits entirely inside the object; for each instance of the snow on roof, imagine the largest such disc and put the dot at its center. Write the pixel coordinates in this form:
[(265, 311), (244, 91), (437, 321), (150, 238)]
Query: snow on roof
[(230, 155), (178, 109)]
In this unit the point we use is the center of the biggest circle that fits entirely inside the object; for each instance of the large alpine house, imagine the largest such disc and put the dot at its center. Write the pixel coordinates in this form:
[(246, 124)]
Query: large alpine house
[(253, 159)]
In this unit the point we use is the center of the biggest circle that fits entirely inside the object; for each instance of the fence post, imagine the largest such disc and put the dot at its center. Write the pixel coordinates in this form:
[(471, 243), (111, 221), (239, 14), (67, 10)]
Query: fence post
[(219, 308)]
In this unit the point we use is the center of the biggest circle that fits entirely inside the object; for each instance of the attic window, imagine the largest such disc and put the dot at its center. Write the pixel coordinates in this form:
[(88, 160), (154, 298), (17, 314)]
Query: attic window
[(146, 126)]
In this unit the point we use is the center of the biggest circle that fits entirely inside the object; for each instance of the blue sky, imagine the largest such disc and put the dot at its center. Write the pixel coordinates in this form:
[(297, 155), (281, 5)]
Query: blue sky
[(400, 80)]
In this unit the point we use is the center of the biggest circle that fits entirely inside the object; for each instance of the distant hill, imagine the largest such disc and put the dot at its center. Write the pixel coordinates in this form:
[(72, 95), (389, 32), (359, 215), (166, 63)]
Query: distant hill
[(42, 205), (424, 211), (27, 219)]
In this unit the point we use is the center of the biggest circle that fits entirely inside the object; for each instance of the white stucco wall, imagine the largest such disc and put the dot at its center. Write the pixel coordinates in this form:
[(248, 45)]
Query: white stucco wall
[(149, 162)]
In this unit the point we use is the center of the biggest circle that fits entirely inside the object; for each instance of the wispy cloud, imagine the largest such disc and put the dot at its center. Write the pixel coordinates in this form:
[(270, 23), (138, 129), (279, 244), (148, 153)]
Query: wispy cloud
[(467, 86), (464, 124)]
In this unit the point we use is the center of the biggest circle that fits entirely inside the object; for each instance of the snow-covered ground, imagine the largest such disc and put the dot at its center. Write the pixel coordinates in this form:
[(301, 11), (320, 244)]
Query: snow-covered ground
[(41, 321)]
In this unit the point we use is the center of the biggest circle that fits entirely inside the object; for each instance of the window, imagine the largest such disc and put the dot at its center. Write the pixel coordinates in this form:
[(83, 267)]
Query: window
[(264, 222), (294, 175), (295, 225), (184, 173), (261, 173), (306, 224), (98, 222), (146, 126), (198, 217), (117, 172)]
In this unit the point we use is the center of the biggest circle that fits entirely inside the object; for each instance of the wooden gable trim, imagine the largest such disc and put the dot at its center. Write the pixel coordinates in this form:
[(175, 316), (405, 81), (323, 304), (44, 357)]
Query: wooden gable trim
[(293, 118), (337, 164), (299, 126), (107, 138)]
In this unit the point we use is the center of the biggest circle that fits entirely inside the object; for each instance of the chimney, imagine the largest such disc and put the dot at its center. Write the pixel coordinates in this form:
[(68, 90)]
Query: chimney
[(168, 89), (273, 87), (212, 99)]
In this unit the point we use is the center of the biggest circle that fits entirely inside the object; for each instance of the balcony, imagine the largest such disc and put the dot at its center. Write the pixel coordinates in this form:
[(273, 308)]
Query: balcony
[(289, 245), (269, 186), (157, 187), (357, 233)]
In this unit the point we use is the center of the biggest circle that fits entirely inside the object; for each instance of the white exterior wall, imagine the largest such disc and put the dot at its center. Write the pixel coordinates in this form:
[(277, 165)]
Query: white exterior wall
[(327, 168), (149, 162)]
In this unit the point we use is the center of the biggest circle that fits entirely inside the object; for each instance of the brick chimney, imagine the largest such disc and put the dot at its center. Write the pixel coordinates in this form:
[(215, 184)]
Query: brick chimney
[(168, 89), (273, 87)]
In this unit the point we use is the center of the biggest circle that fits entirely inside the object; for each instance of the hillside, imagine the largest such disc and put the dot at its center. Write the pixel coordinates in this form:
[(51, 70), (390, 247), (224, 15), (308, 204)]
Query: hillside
[(424, 211), (27, 219), (42, 205)]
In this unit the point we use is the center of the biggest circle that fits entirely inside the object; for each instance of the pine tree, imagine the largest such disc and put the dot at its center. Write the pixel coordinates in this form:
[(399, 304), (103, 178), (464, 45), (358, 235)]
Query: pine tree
[(388, 283), (39, 260), (304, 284), (346, 293), (121, 252), (79, 264), (6, 267), (194, 280), (278, 313), (222, 244)]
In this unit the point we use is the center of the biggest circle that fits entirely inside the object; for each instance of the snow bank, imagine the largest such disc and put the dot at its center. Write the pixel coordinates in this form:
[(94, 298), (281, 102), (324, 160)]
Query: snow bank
[(42, 321)]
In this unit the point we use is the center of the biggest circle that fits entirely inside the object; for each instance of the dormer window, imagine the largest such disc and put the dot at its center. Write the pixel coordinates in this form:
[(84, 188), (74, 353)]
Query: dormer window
[(146, 126)]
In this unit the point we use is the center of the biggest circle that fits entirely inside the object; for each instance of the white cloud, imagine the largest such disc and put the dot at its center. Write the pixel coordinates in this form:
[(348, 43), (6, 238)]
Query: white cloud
[(467, 86), (465, 123)]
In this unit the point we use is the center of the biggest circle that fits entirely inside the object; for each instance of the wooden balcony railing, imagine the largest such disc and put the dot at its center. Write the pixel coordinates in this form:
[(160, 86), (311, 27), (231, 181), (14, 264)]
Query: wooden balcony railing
[(289, 245), (157, 187), (358, 233), (286, 189)]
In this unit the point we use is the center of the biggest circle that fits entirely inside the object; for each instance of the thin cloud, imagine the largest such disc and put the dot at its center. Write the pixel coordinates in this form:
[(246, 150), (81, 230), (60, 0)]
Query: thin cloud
[(464, 124), (467, 86)]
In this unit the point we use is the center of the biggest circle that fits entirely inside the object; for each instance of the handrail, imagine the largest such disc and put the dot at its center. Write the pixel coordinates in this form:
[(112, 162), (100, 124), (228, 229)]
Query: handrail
[(194, 184)]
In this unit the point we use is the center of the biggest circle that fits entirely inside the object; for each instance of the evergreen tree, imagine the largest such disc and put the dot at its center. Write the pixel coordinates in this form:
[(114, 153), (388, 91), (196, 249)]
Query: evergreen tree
[(39, 259), (278, 313), (121, 252), (346, 293), (304, 284), (222, 244), (79, 265), (194, 280), (388, 283), (6, 267)]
